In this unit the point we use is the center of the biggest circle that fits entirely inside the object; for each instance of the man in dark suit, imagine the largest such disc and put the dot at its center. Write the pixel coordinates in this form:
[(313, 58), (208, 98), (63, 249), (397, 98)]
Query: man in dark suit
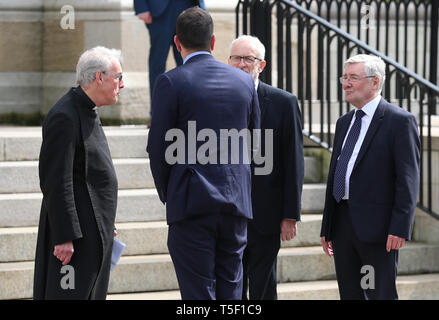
[(276, 195), (160, 17), (372, 185), (79, 185), (208, 203)]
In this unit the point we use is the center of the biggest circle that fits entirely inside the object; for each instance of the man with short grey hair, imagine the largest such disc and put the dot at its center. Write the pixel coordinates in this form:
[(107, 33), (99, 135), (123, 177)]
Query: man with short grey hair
[(79, 186), (276, 197), (373, 67), (372, 185)]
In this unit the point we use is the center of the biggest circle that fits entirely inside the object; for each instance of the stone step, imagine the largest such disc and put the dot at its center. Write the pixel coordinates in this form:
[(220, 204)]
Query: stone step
[(22, 176), (23, 143), (132, 173), (136, 273), (156, 272), (141, 238), (410, 287), (23, 209)]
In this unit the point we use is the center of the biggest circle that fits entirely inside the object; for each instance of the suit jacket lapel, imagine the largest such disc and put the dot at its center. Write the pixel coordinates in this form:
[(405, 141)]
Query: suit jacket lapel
[(338, 141), (342, 134), (373, 127), (263, 99)]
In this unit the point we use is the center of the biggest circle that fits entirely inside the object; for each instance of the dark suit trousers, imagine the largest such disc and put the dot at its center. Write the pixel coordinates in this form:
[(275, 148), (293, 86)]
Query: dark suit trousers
[(207, 255), (260, 257), (364, 270), (161, 34)]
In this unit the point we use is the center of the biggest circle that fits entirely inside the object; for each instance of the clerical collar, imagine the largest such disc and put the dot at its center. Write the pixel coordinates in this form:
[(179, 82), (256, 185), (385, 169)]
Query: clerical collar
[(85, 99)]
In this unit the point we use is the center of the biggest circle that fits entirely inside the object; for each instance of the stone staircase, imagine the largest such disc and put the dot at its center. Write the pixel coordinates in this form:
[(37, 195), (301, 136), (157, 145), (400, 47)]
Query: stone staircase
[(146, 271)]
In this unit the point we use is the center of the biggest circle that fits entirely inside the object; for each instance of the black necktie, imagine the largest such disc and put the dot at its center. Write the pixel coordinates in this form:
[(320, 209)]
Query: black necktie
[(342, 163)]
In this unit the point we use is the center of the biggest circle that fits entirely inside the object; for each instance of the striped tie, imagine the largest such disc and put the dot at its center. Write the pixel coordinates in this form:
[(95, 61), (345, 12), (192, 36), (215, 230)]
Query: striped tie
[(340, 171)]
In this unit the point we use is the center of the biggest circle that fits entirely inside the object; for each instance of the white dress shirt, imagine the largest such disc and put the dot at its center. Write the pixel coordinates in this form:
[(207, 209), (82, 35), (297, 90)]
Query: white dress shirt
[(369, 110)]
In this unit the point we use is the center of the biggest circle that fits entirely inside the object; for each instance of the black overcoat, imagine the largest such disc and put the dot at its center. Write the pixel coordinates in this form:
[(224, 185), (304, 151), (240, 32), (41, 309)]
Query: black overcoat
[(79, 187), (278, 195)]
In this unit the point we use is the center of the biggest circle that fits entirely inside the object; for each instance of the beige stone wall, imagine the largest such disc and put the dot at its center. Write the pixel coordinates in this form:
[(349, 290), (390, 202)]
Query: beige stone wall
[(61, 48), (38, 57), (20, 58), (20, 43)]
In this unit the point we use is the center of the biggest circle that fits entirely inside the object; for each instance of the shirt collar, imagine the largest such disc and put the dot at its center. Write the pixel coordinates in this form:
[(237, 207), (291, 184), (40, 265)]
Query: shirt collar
[(370, 107), (193, 54), (85, 99)]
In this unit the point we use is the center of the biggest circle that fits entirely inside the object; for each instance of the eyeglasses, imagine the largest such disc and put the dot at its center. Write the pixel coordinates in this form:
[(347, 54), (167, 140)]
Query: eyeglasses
[(353, 79), (117, 76), (247, 59)]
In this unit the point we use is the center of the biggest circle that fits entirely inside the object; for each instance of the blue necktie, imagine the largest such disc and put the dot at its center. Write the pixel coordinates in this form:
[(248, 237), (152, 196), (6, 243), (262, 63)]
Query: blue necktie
[(342, 163)]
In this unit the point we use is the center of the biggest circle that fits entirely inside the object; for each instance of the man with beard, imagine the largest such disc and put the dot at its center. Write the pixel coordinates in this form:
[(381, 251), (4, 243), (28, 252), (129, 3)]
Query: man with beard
[(276, 196)]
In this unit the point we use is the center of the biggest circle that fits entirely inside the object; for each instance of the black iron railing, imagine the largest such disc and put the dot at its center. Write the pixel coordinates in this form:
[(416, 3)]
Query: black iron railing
[(403, 30), (310, 52)]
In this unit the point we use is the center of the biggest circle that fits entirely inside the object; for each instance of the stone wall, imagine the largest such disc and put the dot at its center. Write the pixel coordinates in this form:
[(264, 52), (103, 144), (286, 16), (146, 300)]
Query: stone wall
[(38, 56), (39, 50)]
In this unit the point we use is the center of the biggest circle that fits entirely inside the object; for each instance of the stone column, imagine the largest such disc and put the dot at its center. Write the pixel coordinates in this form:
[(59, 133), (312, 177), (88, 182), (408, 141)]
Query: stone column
[(96, 22), (21, 33), (41, 41)]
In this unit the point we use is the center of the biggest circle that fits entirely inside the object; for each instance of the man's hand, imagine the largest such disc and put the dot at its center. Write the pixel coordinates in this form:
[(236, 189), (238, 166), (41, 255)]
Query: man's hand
[(145, 17), (394, 243), (288, 229), (327, 247), (64, 252)]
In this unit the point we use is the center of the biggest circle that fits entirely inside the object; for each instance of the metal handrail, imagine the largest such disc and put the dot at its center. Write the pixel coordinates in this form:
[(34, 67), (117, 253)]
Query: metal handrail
[(408, 86), (361, 44)]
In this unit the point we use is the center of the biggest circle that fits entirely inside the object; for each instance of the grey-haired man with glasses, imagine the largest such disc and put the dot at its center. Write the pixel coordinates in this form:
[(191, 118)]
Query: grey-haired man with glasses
[(372, 185), (79, 185), (276, 197)]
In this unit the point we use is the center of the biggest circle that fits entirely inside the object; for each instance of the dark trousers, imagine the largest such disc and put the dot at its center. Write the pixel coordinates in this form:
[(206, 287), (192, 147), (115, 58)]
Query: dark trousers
[(161, 34), (260, 257), (207, 255), (364, 270)]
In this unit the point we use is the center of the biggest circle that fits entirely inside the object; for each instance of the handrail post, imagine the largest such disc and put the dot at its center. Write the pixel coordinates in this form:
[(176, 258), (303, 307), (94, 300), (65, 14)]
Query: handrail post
[(260, 26), (339, 45), (433, 49)]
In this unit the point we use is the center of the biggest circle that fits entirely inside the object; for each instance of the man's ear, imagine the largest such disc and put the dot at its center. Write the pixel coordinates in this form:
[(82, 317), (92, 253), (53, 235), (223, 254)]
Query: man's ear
[(177, 43), (377, 82), (262, 65), (212, 43), (98, 77)]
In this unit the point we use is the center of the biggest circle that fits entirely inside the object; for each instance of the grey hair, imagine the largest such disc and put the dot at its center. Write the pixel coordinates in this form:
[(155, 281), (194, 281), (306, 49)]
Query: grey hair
[(260, 48), (373, 66), (93, 60)]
